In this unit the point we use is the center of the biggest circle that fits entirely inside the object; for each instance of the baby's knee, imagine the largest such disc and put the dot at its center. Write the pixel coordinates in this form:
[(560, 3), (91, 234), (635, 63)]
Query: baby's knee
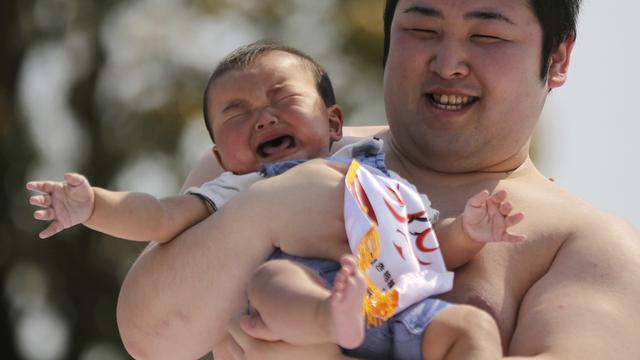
[(265, 274), (467, 322), (478, 322), (462, 332)]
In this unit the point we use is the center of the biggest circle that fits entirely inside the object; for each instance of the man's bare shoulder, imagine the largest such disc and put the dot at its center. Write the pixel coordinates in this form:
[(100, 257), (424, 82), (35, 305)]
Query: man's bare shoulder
[(599, 242), (364, 131), (577, 226), (591, 286), (601, 248), (575, 217)]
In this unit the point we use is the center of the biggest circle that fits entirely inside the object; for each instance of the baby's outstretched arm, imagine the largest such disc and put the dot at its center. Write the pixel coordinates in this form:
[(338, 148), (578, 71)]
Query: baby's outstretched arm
[(65, 203), (486, 218), (127, 215)]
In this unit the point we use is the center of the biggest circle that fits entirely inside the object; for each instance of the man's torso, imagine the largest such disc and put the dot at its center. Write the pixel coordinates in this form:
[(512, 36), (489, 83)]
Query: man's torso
[(498, 278)]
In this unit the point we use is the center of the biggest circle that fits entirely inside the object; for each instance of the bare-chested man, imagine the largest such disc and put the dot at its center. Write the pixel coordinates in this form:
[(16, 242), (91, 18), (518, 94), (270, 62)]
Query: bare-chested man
[(465, 83)]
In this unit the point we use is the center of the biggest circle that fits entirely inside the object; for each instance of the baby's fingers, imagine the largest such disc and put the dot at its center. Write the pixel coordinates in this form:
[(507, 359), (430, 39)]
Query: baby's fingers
[(506, 208), (53, 228), (74, 179), (478, 200), (40, 200), (42, 186), (45, 215), (514, 219), (507, 237), (498, 197)]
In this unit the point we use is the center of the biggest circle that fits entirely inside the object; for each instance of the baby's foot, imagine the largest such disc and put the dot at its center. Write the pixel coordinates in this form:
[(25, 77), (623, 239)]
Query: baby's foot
[(348, 291)]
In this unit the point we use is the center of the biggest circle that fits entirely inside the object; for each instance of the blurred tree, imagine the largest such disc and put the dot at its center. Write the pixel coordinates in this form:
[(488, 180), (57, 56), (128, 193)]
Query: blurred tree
[(12, 136)]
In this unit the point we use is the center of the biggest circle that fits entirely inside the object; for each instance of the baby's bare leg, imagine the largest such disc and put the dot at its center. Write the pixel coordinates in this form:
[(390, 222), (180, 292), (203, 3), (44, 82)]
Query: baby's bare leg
[(462, 332), (296, 307), (349, 288)]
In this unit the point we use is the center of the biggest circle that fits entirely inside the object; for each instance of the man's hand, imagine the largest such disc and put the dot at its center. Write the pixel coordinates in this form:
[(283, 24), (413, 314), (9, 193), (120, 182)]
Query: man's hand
[(244, 347), (487, 218), (254, 326), (65, 203)]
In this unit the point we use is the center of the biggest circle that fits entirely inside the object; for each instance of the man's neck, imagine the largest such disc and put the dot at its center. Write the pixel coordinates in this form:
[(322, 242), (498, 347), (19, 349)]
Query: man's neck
[(449, 190)]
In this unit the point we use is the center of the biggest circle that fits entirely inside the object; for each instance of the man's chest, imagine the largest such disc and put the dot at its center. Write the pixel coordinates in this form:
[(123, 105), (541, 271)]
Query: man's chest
[(496, 281), (485, 285)]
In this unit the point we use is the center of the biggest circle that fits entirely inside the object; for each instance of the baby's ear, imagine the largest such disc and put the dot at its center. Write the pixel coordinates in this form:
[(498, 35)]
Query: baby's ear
[(218, 156), (335, 122)]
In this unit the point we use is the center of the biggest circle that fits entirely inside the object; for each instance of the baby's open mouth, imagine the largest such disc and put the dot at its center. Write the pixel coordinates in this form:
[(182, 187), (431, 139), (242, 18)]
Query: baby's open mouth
[(275, 146)]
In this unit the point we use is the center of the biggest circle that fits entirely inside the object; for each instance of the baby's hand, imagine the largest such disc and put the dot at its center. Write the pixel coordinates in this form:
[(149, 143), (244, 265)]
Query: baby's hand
[(486, 218), (65, 203)]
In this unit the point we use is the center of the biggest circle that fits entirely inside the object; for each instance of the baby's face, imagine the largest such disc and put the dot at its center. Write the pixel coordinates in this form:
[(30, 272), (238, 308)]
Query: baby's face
[(268, 112)]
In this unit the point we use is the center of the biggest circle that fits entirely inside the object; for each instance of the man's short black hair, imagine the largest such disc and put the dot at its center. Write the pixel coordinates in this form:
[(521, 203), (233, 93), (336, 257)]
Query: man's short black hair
[(244, 56), (557, 18)]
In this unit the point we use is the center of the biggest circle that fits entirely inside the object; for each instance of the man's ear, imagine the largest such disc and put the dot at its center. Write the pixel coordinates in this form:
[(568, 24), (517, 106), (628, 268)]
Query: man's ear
[(335, 122), (216, 154), (559, 64)]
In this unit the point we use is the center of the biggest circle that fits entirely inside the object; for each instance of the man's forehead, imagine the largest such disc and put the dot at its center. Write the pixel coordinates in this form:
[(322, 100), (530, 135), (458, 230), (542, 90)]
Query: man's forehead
[(498, 10)]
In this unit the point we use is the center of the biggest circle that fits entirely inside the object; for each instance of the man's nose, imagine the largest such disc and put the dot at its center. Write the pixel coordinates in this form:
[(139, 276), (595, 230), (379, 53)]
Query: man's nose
[(449, 61), (265, 120)]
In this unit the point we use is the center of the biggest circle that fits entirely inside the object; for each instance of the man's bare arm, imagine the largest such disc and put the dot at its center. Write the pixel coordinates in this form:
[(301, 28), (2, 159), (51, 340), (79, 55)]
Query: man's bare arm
[(243, 346), (585, 306), (207, 168), (178, 298)]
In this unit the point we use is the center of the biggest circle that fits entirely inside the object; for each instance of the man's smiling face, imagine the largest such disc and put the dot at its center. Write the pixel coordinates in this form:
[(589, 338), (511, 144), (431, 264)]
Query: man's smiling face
[(462, 85)]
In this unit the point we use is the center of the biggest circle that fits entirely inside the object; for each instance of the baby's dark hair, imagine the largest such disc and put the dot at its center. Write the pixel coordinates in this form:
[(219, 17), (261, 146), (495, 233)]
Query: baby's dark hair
[(244, 56)]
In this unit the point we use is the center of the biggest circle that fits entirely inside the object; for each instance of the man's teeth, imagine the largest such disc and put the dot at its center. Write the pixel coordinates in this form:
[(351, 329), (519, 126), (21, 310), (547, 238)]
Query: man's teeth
[(451, 102)]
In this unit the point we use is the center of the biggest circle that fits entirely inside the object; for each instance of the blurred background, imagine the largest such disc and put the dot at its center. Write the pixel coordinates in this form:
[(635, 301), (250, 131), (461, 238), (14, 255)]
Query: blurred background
[(112, 89)]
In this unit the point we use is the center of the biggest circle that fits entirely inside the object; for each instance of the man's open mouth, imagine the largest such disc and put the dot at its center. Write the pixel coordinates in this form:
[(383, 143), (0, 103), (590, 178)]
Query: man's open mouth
[(276, 146), (451, 102)]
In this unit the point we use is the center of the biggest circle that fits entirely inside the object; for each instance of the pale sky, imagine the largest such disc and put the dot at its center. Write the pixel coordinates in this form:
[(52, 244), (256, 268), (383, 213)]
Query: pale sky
[(589, 136)]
